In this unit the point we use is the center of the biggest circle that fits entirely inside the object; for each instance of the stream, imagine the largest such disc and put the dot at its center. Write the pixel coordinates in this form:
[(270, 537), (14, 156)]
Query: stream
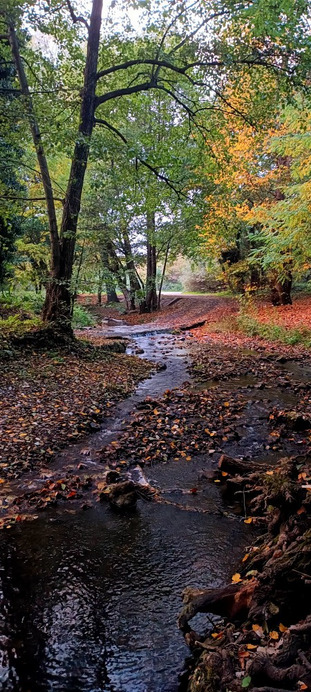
[(89, 599)]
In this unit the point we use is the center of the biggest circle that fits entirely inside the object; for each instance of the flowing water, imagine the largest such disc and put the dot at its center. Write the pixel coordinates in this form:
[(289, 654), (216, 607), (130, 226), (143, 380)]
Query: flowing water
[(89, 600)]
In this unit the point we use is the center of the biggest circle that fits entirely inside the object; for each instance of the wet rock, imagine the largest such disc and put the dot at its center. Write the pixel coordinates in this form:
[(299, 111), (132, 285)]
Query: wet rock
[(95, 427), (161, 366), (294, 420), (123, 496)]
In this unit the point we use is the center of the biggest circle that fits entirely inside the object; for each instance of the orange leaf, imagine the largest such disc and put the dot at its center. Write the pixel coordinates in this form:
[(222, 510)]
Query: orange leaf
[(251, 646), (282, 628), (274, 635), (248, 521), (258, 630), (217, 635), (236, 578)]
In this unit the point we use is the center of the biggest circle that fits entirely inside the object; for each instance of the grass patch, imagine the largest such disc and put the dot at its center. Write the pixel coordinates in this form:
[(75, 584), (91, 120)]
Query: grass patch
[(273, 332), (226, 293)]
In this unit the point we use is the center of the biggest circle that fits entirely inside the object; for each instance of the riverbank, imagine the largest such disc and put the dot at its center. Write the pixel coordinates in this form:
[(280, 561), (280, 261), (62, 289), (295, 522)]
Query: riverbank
[(264, 641), (51, 397)]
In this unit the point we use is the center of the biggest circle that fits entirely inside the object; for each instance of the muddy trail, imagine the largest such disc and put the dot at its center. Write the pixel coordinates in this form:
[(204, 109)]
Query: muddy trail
[(90, 595)]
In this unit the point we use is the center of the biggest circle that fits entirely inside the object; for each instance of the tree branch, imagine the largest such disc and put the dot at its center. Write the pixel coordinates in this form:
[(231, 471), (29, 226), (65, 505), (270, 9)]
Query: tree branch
[(30, 199), (125, 91), (160, 176), (76, 18)]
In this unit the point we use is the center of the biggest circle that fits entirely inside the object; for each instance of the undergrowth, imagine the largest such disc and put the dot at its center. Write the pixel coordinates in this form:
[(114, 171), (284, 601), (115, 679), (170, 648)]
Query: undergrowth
[(250, 326)]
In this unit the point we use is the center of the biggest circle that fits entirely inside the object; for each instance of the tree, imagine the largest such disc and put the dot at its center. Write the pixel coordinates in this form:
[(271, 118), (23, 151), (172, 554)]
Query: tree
[(204, 66), (249, 178), (285, 218)]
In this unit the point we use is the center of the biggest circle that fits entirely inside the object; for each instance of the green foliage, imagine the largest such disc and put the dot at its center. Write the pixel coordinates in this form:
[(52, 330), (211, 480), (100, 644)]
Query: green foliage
[(82, 317), (250, 326), (23, 301), (17, 326)]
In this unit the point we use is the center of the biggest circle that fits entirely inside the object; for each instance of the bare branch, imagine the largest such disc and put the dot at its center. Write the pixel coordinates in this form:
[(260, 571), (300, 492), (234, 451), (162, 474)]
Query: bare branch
[(76, 18)]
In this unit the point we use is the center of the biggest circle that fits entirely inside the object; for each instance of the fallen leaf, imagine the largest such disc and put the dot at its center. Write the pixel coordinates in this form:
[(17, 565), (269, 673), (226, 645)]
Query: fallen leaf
[(236, 578)]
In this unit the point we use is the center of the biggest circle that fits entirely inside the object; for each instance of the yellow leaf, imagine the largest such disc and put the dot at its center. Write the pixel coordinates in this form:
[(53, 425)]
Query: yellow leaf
[(248, 521), (269, 473), (226, 404), (251, 646), (245, 557), (236, 578)]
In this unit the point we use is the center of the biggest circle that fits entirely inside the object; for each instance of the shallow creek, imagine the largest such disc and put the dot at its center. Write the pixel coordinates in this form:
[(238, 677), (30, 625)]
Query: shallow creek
[(89, 600)]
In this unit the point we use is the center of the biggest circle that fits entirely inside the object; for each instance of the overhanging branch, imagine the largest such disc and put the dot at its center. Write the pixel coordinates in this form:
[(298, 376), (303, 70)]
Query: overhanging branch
[(160, 176)]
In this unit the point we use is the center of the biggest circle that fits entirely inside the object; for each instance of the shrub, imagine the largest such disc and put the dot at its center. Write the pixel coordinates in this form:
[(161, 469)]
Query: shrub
[(82, 318)]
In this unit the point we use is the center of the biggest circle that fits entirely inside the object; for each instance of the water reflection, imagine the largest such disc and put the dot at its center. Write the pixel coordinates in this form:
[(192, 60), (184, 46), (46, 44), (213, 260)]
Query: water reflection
[(90, 602)]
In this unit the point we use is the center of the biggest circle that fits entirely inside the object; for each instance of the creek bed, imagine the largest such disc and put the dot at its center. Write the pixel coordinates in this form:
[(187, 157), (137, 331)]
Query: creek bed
[(89, 600)]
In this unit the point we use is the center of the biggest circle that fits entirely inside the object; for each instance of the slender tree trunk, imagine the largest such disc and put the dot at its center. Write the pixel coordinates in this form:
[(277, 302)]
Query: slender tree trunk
[(163, 275), (115, 269), (151, 301), (130, 266), (38, 144)]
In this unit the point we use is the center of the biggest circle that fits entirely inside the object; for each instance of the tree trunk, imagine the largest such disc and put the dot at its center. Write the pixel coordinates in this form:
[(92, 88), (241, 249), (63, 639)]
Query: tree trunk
[(57, 307), (281, 290), (163, 275), (38, 144), (130, 267), (111, 294), (151, 301)]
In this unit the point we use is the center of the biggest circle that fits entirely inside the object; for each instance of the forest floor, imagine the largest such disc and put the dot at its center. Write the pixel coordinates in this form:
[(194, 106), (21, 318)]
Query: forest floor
[(52, 397), (247, 412)]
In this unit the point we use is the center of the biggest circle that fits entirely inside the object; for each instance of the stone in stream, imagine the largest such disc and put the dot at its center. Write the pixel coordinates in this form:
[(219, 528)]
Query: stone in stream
[(161, 366), (122, 495), (123, 491)]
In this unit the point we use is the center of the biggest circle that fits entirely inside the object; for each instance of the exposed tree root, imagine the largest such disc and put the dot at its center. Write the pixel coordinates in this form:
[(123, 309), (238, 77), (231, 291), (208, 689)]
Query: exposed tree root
[(266, 645)]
